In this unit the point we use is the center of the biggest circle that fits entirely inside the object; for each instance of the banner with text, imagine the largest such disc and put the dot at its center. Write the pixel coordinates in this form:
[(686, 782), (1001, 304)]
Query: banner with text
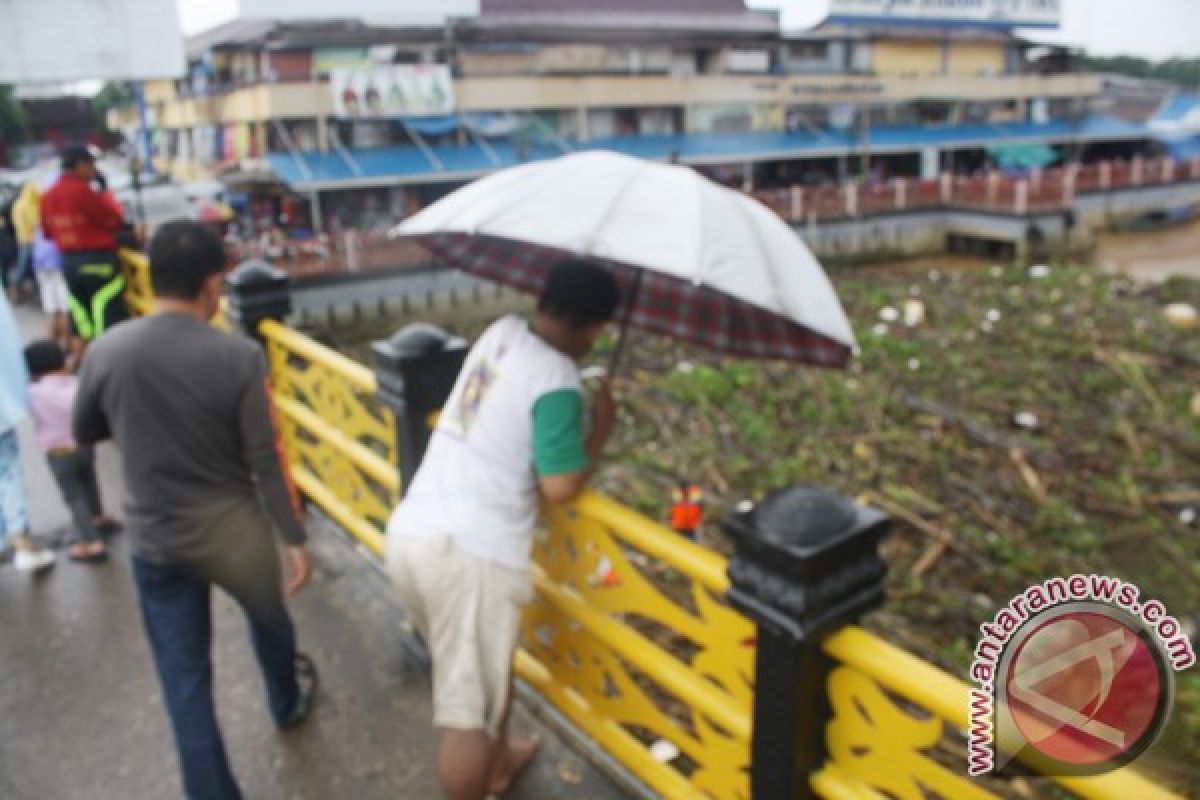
[(949, 13), (392, 91)]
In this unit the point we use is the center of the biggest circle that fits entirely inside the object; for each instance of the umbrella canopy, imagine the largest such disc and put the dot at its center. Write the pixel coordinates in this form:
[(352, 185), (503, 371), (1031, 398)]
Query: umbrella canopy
[(710, 265)]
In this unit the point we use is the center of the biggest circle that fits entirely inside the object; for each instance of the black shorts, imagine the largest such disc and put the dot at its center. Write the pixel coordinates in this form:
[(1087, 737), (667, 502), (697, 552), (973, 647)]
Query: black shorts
[(96, 291)]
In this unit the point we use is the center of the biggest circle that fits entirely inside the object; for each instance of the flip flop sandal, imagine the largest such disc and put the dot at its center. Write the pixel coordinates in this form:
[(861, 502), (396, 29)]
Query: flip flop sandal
[(90, 558), (308, 681)]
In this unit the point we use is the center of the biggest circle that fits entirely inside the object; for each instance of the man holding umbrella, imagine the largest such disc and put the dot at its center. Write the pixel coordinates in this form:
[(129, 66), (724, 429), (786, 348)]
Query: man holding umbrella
[(459, 544)]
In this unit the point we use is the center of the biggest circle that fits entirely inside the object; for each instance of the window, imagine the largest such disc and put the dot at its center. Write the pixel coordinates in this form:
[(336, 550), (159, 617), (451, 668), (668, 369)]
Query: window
[(810, 51)]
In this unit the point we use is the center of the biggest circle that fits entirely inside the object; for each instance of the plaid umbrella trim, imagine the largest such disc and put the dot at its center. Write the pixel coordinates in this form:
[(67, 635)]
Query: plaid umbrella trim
[(666, 305)]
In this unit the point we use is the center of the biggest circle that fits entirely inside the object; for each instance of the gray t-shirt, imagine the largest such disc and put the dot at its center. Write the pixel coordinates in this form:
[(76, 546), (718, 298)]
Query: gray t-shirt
[(190, 410)]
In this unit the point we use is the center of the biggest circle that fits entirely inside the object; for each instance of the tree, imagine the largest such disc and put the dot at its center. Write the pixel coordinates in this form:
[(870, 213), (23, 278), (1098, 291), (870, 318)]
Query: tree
[(1182, 71), (112, 95), (14, 123)]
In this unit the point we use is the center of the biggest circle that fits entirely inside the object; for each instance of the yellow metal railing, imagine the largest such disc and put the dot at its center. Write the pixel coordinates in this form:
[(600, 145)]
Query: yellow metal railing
[(878, 748), (628, 635), (629, 638), (339, 439), (139, 293)]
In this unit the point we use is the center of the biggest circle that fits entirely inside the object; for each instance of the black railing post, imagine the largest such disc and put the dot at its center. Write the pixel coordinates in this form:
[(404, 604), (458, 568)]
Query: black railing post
[(806, 562), (256, 291), (416, 369)]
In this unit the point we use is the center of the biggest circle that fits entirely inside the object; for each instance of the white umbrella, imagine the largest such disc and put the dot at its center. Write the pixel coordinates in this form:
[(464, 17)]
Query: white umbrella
[(699, 261)]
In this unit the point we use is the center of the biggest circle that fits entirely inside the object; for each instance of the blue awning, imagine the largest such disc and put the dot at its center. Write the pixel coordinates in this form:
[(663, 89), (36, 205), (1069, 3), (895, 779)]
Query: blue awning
[(409, 165)]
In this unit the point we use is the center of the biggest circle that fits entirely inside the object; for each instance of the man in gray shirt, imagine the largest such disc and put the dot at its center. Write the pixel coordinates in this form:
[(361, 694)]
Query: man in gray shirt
[(207, 493)]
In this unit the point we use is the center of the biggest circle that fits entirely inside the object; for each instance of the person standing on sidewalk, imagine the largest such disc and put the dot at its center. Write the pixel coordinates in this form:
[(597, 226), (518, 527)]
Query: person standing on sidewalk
[(26, 219), (14, 406), (84, 222), (51, 399), (52, 286), (208, 495), (458, 546)]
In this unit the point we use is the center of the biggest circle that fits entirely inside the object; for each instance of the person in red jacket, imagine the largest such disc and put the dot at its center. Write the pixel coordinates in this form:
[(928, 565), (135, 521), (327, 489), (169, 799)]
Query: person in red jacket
[(84, 222)]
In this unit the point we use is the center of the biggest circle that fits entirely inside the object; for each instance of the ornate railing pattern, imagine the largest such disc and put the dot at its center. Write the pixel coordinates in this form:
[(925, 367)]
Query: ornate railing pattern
[(630, 638), (139, 294), (892, 711), (340, 440)]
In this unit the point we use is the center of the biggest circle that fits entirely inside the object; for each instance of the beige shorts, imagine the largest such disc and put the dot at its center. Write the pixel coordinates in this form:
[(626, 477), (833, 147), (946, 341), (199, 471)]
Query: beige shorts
[(469, 611)]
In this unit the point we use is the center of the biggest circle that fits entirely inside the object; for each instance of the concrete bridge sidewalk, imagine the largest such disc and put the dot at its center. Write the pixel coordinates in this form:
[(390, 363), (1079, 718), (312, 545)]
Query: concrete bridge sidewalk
[(81, 716)]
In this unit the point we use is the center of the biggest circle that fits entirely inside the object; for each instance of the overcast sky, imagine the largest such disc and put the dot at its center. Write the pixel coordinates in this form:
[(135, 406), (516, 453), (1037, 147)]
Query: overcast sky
[(1150, 28)]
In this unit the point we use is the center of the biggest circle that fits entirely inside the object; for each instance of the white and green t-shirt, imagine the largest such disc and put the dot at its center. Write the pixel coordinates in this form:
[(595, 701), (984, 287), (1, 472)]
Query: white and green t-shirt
[(516, 413)]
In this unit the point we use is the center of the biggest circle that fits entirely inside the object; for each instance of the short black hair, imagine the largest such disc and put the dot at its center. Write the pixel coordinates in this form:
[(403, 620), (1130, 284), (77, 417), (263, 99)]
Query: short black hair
[(183, 255), (74, 155), (580, 293), (44, 356)]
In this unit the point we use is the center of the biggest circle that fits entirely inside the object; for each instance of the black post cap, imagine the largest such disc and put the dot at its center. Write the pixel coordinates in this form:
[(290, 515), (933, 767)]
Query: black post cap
[(806, 560), (257, 291)]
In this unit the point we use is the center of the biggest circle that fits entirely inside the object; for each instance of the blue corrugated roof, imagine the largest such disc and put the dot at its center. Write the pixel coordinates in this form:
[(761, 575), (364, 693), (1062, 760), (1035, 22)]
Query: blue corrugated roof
[(1178, 107), (409, 164)]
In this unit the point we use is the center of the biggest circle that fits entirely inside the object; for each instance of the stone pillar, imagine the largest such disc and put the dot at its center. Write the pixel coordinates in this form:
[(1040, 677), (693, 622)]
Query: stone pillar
[(806, 563)]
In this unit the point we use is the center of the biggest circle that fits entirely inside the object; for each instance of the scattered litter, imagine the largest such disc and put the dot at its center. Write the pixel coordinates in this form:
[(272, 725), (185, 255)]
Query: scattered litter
[(1085, 280), (1039, 271), (852, 386), (993, 315), (934, 276), (569, 773), (914, 291), (744, 507), (889, 314), (880, 330), (664, 751), (914, 313), (1026, 420), (593, 373), (686, 367), (1187, 516), (1044, 320), (997, 272), (914, 364), (1181, 316), (986, 326)]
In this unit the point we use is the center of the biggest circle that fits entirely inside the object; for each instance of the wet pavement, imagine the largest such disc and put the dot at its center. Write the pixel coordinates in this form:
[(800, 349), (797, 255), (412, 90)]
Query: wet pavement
[(81, 717)]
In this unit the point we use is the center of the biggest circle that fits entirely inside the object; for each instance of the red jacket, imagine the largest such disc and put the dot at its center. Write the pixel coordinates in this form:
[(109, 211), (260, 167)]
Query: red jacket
[(77, 217)]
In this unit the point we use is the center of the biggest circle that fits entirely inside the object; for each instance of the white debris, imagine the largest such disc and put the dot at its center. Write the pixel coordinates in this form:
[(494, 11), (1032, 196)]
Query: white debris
[(914, 313), (889, 314), (1039, 271), (1026, 420), (686, 367), (1044, 320), (1181, 316), (994, 315), (914, 291), (744, 507), (664, 751), (852, 385), (880, 330), (914, 364), (934, 276), (997, 272), (986, 326), (1187, 516)]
